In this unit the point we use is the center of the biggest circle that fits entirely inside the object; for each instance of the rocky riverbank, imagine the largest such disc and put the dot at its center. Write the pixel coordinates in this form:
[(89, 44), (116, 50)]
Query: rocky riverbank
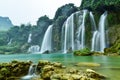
[(46, 70)]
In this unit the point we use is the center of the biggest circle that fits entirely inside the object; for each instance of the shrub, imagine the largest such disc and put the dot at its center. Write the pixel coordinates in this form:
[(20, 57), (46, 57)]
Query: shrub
[(83, 52)]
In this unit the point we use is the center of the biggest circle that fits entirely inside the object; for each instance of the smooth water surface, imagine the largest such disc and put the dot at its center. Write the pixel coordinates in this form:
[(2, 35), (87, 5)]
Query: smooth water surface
[(110, 66)]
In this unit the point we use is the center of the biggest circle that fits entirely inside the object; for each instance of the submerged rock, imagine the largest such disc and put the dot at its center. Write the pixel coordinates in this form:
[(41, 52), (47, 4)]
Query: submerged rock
[(87, 64), (91, 73)]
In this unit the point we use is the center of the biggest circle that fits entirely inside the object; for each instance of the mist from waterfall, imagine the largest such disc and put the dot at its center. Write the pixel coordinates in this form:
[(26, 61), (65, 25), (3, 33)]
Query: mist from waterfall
[(34, 49), (47, 40), (99, 35), (72, 40)]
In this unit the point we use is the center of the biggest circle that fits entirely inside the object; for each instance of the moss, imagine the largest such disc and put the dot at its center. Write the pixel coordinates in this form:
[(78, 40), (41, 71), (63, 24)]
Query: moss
[(4, 71), (83, 52), (115, 47)]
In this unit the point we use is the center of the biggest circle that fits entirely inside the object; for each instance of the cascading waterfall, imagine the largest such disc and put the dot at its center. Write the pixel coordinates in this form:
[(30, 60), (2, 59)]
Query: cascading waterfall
[(29, 38), (99, 36), (94, 43), (69, 31), (72, 41), (102, 32), (47, 40), (34, 48), (31, 73), (94, 28), (81, 32)]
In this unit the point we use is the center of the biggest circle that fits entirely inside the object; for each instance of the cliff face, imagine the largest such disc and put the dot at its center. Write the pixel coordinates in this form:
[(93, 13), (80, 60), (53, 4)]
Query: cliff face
[(60, 16), (5, 23)]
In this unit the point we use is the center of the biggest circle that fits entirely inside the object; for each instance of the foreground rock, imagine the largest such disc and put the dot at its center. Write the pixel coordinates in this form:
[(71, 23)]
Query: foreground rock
[(46, 70), (56, 71), (13, 70)]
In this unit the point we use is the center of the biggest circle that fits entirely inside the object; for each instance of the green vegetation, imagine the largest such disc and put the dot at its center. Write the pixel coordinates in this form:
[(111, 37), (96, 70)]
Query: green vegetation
[(83, 52), (18, 35), (101, 5)]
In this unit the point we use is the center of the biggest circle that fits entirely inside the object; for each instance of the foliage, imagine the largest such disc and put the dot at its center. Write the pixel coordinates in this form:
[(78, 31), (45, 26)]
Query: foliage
[(82, 52), (39, 31), (3, 38), (65, 10), (101, 5), (115, 48)]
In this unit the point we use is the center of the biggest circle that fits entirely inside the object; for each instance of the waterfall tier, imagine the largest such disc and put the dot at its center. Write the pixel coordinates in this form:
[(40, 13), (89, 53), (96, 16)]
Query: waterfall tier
[(29, 38), (31, 73), (74, 39), (99, 39), (74, 30), (47, 40), (34, 48)]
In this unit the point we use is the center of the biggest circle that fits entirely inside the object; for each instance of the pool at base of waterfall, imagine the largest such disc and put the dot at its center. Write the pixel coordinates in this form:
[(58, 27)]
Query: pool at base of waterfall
[(108, 65)]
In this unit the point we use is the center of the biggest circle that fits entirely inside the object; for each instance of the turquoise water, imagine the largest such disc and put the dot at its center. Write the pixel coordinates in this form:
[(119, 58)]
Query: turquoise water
[(110, 66)]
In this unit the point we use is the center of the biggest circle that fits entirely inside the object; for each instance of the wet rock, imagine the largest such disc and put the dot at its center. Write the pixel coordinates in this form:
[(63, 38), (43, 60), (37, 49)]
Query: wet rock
[(46, 52), (93, 74), (73, 71), (46, 75), (55, 71), (57, 64), (65, 76), (48, 68), (87, 64), (43, 63), (75, 77), (55, 77), (13, 70)]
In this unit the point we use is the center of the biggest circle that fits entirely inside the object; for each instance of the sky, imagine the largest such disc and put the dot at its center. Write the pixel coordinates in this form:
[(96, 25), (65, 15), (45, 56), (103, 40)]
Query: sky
[(28, 11)]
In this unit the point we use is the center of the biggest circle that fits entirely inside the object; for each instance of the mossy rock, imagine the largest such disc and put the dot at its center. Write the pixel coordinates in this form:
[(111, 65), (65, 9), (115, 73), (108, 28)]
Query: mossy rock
[(83, 52)]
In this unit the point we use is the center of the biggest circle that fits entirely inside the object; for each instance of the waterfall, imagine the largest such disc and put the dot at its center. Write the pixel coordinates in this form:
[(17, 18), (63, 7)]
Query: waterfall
[(69, 31), (102, 32), (31, 73), (81, 32), (99, 36), (29, 38), (34, 48), (10, 42), (47, 40), (95, 41), (32, 70), (93, 21), (71, 40)]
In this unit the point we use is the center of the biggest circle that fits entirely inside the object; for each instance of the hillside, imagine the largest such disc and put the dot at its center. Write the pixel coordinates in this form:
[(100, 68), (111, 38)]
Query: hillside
[(5, 23)]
